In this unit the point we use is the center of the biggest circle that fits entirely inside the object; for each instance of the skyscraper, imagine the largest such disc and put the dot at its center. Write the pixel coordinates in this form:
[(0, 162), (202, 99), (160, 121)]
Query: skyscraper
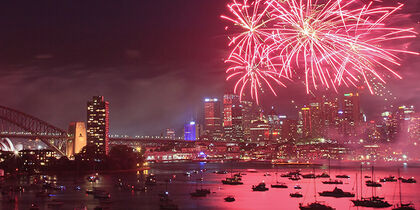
[(351, 114), (213, 119), (98, 124), (170, 133), (232, 118), (190, 131), (77, 132)]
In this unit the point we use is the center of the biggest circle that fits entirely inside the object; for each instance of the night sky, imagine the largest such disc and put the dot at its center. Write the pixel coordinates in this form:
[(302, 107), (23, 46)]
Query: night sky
[(154, 61)]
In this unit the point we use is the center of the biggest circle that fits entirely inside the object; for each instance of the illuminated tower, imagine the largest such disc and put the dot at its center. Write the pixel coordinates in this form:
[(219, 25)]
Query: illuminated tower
[(190, 131), (213, 119), (305, 120), (98, 124), (351, 113), (77, 134), (232, 117)]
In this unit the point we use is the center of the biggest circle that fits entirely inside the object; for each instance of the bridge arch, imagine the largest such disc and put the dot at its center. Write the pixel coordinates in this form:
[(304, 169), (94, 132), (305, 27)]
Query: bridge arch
[(24, 125)]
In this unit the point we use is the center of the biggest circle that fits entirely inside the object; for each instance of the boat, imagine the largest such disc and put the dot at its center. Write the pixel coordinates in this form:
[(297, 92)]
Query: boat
[(371, 183), (34, 207), (101, 194), (333, 182), (260, 187), (309, 176), (229, 198), (89, 191), (294, 178), (150, 180), (232, 181), (373, 201), (279, 185), (323, 175), (93, 178), (298, 187), (336, 193), (220, 172), (368, 177), (267, 174), (389, 179), (315, 206), (401, 205), (343, 176), (291, 174), (199, 193), (296, 195), (409, 180)]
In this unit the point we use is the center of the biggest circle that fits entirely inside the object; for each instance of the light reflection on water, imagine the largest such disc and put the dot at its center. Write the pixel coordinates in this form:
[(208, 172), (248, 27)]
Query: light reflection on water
[(180, 187)]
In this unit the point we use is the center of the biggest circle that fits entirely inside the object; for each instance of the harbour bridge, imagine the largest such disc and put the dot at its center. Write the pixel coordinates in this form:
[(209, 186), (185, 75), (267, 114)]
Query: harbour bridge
[(15, 124)]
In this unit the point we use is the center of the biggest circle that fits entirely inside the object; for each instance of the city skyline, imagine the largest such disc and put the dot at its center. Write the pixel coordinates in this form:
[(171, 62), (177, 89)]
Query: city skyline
[(184, 73)]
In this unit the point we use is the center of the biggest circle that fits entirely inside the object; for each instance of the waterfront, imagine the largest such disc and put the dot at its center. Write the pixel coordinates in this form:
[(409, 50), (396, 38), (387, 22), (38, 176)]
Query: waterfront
[(180, 186)]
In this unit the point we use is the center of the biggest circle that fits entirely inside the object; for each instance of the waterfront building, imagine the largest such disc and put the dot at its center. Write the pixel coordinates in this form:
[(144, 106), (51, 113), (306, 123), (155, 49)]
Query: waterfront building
[(170, 133), (77, 138), (98, 124), (34, 159), (213, 119)]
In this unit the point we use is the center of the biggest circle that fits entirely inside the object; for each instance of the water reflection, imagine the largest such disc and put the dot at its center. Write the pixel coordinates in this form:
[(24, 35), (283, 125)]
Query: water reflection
[(131, 190)]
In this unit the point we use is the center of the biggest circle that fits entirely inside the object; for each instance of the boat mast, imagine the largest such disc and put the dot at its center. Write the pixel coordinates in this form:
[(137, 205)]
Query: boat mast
[(315, 185), (399, 185), (372, 181), (361, 181), (357, 189)]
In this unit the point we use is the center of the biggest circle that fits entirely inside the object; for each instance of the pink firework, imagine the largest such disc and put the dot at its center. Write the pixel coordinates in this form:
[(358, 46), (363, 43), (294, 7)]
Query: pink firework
[(330, 42), (255, 69)]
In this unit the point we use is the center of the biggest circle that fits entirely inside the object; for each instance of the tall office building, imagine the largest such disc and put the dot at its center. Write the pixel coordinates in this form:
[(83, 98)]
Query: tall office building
[(351, 114), (190, 131), (250, 113), (98, 124), (77, 134), (213, 119), (232, 118), (305, 121)]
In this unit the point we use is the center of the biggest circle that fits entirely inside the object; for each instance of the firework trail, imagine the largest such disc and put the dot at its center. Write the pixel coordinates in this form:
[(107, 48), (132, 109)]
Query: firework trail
[(331, 43)]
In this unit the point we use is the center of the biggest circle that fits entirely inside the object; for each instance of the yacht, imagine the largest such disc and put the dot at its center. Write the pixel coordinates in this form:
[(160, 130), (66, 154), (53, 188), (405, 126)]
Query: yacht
[(232, 181), (315, 206), (333, 182), (343, 176), (296, 195), (259, 187), (229, 198), (371, 183), (336, 193), (279, 185)]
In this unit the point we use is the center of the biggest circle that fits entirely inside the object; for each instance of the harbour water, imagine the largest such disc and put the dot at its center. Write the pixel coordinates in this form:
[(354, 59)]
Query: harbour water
[(171, 177)]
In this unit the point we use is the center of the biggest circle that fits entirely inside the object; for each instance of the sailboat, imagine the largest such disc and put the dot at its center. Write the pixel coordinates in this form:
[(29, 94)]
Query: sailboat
[(402, 206), (315, 205), (374, 201), (200, 192), (278, 184)]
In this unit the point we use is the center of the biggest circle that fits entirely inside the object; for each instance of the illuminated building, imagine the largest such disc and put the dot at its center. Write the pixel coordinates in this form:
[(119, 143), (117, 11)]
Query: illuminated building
[(274, 122), (190, 131), (34, 159), (77, 138), (213, 118), (305, 121), (351, 114), (289, 130), (316, 120), (98, 124), (232, 118), (250, 112), (414, 128), (260, 132), (170, 133)]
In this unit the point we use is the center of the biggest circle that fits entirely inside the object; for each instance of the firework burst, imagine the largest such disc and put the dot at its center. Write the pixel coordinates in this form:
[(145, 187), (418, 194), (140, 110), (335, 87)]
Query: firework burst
[(331, 43)]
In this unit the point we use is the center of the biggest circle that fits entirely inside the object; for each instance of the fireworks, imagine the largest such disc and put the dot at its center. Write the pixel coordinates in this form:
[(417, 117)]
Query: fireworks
[(328, 43)]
